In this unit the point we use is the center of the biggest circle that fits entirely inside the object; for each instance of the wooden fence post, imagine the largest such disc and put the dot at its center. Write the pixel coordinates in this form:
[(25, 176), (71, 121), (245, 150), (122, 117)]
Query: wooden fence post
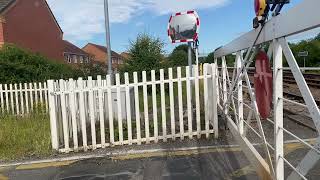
[(215, 100), (53, 116)]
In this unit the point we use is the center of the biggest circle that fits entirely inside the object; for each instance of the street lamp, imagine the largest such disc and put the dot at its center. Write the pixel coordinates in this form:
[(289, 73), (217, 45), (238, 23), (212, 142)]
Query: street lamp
[(107, 26)]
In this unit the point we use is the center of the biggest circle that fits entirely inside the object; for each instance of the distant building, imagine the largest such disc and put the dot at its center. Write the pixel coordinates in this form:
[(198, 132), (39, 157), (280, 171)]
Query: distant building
[(74, 55), (99, 55), (30, 24), (125, 55)]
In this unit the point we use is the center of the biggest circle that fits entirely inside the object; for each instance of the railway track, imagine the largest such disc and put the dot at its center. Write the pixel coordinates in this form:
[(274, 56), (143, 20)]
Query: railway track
[(312, 79), (297, 97)]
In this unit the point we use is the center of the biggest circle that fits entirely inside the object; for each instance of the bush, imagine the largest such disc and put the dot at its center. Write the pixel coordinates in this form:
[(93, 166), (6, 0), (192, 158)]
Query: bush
[(19, 65)]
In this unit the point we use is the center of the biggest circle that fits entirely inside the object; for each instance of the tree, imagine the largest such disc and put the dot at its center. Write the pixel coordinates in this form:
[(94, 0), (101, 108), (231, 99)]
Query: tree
[(230, 59), (179, 56), (146, 54), (209, 58), (182, 47), (312, 46), (317, 37)]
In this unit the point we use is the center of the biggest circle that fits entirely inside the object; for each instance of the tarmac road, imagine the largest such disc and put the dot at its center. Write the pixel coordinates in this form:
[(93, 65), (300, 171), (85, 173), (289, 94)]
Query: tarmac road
[(217, 163), (200, 163)]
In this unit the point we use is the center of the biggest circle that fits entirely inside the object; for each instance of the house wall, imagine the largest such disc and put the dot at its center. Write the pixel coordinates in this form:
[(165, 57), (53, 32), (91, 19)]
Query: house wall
[(29, 24), (98, 55)]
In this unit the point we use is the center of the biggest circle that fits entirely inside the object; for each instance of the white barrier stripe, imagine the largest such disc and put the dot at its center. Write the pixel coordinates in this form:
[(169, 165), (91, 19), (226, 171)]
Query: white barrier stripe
[(154, 104), (136, 95), (145, 106), (206, 99), (1, 99), (110, 108), (189, 103), (92, 114), (119, 109), (163, 106), (82, 115), (128, 105), (21, 99), (64, 116), (171, 95), (31, 97), (197, 97)]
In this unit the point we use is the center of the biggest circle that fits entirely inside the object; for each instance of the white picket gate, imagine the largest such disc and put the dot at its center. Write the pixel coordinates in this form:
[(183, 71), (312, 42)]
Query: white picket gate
[(178, 105), (23, 99)]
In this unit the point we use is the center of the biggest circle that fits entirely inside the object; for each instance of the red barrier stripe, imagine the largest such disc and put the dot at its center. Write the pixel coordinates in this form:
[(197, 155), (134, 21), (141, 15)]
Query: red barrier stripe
[(198, 21), (178, 14), (170, 19), (183, 40), (190, 12), (195, 36)]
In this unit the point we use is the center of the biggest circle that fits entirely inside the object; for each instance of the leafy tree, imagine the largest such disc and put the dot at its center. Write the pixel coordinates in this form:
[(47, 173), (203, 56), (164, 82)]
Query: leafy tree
[(230, 59), (317, 37), (312, 46), (146, 54), (182, 47), (209, 58), (179, 56)]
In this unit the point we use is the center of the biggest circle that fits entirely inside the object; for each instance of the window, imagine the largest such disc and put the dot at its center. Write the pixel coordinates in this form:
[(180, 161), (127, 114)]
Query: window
[(75, 60), (81, 59), (66, 57), (69, 59), (114, 61)]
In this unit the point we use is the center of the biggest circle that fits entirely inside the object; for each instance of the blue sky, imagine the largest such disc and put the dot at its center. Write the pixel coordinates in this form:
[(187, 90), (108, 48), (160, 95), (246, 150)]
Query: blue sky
[(221, 20)]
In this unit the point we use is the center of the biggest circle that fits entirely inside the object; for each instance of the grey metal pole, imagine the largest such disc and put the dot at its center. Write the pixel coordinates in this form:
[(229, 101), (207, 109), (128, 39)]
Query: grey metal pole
[(304, 63), (107, 26), (190, 56), (197, 56), (191, 71)]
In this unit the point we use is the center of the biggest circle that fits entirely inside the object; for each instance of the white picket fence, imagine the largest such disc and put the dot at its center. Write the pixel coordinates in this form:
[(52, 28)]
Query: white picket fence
[(82, 112), (23, 99)]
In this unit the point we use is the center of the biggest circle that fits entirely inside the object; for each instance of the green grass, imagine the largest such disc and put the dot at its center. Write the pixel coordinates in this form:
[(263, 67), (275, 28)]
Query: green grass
[(24, 137)]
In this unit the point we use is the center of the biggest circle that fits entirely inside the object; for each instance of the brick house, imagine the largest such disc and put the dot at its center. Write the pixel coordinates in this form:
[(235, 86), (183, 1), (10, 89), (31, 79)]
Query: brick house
[(30, 24), (99, 55), (125, 55), (74, 55)]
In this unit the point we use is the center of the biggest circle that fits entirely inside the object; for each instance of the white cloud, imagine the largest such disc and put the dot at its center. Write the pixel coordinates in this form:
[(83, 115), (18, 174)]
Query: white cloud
[(170, 6), (83, 19)]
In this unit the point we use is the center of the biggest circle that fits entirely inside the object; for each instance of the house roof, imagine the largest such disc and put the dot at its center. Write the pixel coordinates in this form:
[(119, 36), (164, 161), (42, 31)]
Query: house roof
[(125, 55), (73, 49), (5, 4), (104, 49)]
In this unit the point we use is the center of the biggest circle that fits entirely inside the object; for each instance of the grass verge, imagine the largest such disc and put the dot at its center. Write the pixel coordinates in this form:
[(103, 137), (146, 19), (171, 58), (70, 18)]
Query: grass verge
[(24, 137)]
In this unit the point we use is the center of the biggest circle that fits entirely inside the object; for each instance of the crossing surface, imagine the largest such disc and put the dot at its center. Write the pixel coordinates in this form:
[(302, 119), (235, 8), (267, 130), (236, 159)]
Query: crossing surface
[(217, 162)]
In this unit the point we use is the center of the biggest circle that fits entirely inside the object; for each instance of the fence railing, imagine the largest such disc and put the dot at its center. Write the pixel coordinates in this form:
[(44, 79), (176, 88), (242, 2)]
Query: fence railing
[(148, 107), (270, 164), (23, 99)]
